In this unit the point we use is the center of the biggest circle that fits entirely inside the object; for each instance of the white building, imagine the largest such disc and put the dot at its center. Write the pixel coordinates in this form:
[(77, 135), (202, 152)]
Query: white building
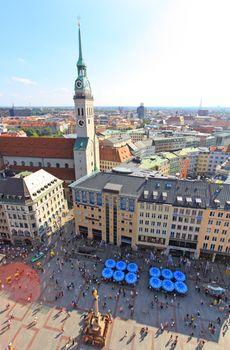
[(31, 206)]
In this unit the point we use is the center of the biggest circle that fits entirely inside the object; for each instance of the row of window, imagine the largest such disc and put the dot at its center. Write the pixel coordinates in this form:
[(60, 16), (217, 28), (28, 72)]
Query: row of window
[(185, 236), (188, 212), (185, 228), (154, 216), (152, 230), (213, 247), (186, 220), (39, 164), (154, 207), (148, 239), (220, 214), (153, 223), (218, 223), (215, 239)]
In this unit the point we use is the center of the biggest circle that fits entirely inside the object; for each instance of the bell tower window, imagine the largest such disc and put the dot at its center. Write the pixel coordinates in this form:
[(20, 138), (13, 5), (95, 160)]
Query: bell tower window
[(78, 111), (82, 111)]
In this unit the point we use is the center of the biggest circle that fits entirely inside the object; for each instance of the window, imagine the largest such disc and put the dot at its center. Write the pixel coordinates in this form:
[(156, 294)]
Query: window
[(66, 165), (189, 237), (214, 239), (14, 162), (210, 222), (205, 246), (212, 213), (224, 232), (40, 164), (220, 215), (31, 164), (178, 235), (48, 164), (216, 230), (57, 165), (226, 224), (212, 246), (23, 163)]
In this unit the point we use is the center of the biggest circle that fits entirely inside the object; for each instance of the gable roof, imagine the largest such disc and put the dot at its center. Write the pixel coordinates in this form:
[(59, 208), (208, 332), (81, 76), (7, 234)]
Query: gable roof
[(113, 154), (47, 147)]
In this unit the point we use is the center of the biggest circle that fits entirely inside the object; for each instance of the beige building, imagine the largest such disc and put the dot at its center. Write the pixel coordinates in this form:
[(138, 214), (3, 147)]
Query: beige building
[(158, 213), (32, 206)]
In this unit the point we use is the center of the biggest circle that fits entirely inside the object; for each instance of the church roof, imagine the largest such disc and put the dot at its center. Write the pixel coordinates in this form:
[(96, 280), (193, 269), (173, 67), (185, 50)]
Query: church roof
[(47, 147)]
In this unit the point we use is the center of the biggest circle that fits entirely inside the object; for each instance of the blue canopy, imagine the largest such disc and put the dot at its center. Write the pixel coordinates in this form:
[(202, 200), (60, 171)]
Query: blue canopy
[(121, 265), (155, 272), (132, 267), (155, 283), (181, 287), (168, 285), (131, 278), (166, 273), (110, 263), (118, 276), (107, 272), (179, 276)]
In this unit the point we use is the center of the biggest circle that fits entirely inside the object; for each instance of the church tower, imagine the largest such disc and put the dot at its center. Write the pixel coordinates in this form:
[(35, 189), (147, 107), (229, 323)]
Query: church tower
[(86, 148)]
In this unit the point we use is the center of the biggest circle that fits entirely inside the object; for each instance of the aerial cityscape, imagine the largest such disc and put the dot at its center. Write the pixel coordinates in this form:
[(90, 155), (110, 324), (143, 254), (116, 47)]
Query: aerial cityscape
[(115, 206)]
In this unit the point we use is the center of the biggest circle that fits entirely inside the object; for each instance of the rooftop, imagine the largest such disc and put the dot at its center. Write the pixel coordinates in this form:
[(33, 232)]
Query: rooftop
[(47, 147), (182, 193)]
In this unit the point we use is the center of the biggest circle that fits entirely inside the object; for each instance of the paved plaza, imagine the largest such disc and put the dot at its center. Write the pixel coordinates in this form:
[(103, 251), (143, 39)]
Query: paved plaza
[(48, 322)]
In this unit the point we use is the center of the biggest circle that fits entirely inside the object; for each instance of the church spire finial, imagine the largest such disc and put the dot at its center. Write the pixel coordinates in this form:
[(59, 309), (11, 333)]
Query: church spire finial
[(80, 62)]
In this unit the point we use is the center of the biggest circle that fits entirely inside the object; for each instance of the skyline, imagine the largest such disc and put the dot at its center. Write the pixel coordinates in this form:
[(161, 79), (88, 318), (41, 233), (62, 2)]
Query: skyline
[(168, 53)]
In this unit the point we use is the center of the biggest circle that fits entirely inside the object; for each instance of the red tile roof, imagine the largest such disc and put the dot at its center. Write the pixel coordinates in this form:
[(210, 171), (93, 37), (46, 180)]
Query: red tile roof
[(47, 147), (113, 154), (65, 174)]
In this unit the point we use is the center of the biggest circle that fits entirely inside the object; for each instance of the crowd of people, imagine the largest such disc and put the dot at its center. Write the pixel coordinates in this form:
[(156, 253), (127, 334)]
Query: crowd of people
[(89, 270)]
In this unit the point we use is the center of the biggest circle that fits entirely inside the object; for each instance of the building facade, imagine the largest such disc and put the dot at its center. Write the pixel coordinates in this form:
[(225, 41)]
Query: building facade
[(172, 215), (32, 207)]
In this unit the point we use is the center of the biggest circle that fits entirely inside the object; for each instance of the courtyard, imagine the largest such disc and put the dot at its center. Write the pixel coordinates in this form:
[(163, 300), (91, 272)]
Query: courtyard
[(52, 316)]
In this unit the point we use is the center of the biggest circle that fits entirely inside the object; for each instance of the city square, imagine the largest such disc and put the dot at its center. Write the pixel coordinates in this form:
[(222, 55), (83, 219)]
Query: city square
[(54, 319)]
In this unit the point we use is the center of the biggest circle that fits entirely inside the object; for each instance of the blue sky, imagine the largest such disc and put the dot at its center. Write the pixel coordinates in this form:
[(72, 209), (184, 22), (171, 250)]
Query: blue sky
[(160, 52)]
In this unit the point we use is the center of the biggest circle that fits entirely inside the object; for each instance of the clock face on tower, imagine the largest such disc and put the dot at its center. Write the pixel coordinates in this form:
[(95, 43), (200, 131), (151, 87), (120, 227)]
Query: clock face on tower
[(79, 84), (81, 123)]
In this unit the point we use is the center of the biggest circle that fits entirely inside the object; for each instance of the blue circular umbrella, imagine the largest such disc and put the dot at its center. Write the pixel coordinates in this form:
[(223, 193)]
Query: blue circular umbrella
[(118, 276), (179, 276), (168, 285), (110, 263), (131, 278), (155, 272), (155, 283), (121, 265), (132, 267), (166, 273), (107, 272), (181, 287)]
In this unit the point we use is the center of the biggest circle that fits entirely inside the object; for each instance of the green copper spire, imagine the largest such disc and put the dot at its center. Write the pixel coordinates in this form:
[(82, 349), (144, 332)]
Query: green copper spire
[(80, 63)]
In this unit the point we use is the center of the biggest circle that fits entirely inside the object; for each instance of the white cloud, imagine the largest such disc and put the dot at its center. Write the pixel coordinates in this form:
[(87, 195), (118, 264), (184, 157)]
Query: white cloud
[(21, 60), (1, 94), (23, 81)]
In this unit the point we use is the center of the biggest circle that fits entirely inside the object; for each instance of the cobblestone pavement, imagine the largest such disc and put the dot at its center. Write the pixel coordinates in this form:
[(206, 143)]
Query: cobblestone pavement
[(41, 326)]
